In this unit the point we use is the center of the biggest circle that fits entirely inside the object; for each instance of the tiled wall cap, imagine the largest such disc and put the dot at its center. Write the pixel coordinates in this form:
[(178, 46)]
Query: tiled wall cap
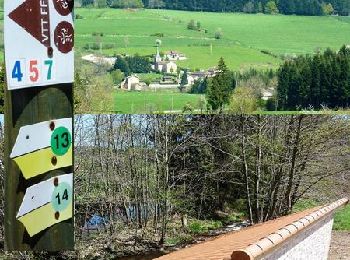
[(254, 250), (276, 238), (263, 245), (314, 216), (310, 219), (284, 233), (305, 221), (292, 229), (299, 225)]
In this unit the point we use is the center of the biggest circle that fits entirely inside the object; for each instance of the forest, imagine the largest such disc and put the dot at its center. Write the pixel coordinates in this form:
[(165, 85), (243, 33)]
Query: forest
[(298, 7), (319, 81), (163, 179), (146, 183)]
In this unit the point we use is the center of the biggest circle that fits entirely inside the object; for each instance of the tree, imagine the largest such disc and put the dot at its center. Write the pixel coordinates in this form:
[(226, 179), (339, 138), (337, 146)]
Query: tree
[(101, 3), (220, 87), (313, 82), (219, 34), (184, 81), (271, 8), (117, 76), (200, 86), (156, 4), (127, 4), (191, 25), (249, 7), (327, 9), (138, 64), (243, 101), (122, 65)]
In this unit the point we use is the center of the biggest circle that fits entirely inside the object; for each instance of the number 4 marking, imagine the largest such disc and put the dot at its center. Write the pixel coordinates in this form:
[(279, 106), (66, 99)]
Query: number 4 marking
[(64, 197), (49, 71), (17, 72)]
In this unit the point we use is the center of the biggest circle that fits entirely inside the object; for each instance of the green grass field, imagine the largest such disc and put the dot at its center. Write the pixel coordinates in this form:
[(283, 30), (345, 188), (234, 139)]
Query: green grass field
[(342, 219), (244, 35), (148, 101), (244, 38)]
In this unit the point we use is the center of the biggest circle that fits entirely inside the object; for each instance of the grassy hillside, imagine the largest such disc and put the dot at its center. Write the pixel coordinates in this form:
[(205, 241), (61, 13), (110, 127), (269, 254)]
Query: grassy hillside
[(161, 101), (244, 36)]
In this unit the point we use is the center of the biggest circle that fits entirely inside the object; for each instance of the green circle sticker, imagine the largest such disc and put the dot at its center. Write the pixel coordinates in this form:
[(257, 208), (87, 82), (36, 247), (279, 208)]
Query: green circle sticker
[(61, 197), (61, 140)]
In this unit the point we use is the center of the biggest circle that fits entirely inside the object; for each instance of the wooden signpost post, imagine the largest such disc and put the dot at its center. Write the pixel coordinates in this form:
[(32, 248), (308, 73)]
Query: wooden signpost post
[(39, 198)]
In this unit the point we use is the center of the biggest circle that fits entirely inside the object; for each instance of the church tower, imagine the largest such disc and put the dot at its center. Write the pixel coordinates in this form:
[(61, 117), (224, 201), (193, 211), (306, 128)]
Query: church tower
[(158, 58)]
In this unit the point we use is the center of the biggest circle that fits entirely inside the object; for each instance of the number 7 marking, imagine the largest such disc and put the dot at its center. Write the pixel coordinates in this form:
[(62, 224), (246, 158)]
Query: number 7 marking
[(49, 71)]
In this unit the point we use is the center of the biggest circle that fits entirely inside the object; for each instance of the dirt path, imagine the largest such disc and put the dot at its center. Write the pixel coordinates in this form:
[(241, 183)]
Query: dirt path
[(340, 247)]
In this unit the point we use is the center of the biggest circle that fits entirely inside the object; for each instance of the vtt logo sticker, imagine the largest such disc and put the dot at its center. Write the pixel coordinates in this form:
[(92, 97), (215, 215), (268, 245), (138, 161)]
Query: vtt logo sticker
[(64, 37), (63, 7), (39, 42), (39, 27)]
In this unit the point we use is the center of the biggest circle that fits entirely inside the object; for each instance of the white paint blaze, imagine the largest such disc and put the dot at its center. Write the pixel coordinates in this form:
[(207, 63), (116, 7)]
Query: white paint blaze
[(32, 138), (39, 194)]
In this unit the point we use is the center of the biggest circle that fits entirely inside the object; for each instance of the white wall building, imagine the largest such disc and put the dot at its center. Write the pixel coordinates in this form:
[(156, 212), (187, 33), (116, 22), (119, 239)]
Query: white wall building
[(132, 83)]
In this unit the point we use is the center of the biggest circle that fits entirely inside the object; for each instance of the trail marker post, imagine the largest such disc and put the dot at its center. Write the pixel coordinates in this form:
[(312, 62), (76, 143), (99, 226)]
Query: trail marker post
[(39, 57)]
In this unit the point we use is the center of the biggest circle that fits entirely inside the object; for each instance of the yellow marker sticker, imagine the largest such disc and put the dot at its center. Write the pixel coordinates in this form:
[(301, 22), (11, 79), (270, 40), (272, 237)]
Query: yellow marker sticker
[(44, 217), (42, 161)]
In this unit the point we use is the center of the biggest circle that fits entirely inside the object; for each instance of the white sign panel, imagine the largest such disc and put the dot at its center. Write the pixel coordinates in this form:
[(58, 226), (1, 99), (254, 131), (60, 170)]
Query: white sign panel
[(32, 138), (42, 193), (39, 42)]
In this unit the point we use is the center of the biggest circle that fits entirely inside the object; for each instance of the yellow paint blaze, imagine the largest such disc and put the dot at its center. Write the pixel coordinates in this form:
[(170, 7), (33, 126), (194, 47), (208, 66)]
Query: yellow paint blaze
[(37, 163), (43, 218)]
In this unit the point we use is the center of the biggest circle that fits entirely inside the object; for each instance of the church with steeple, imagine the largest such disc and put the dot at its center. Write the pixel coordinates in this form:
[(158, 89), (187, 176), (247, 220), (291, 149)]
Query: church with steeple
[(163, 65)]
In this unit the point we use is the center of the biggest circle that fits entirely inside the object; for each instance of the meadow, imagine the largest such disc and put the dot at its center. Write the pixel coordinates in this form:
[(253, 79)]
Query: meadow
[(161, 101), (246, 38), (247, 41)]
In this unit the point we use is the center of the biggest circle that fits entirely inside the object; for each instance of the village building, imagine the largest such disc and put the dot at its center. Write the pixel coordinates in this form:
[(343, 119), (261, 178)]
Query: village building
[(267, 94), (175, 56), (164, 65), (201, 75), (132, 83)]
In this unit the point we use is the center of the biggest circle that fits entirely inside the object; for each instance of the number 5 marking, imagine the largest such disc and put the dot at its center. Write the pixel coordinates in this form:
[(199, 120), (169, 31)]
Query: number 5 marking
[(49, 71), (34, 70)]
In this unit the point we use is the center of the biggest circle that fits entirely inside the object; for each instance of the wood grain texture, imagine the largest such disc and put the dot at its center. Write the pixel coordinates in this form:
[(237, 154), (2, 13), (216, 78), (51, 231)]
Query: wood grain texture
[(26, 107)]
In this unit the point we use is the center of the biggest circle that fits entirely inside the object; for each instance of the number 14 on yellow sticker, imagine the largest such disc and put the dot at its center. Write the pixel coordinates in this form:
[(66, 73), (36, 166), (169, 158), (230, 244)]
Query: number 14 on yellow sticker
[(32, 71)]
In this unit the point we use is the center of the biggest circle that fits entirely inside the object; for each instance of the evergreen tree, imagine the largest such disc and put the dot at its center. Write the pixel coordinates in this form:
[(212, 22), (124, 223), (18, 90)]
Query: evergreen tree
[(321, 80), (122, 65), (184, 81), (220, 87)]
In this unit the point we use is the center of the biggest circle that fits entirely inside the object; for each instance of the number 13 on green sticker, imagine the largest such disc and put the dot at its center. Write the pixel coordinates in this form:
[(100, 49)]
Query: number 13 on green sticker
[(61, 141)]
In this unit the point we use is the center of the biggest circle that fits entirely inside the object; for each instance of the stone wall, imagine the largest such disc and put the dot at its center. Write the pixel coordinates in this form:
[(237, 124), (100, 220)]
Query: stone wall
[(312, 243)]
